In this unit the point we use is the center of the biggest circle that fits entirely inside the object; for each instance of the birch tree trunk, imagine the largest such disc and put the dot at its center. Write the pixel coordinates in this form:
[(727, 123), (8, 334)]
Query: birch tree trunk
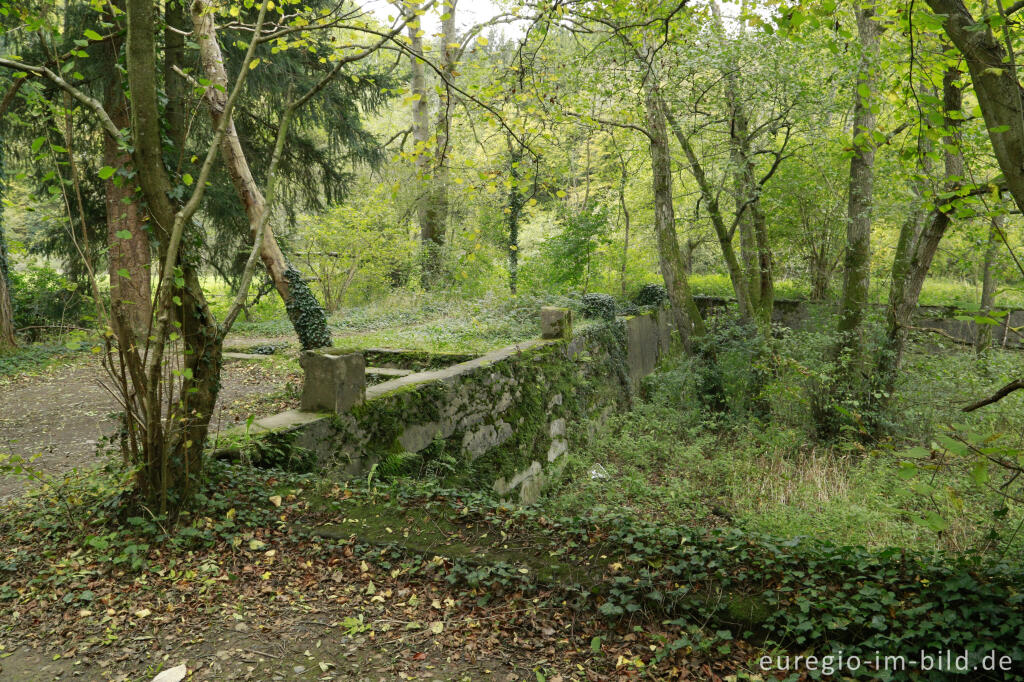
[(306, 314)]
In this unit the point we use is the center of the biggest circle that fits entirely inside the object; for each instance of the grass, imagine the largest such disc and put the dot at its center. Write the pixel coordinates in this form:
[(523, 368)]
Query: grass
[(36, 357), (671, 460), (936, 291)]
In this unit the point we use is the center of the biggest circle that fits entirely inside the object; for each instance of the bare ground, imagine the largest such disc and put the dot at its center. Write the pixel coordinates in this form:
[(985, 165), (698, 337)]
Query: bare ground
[(61, 415)]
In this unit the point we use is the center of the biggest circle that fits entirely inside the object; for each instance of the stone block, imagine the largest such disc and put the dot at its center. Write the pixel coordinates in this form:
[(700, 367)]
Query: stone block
[(555, 323), (333, 383)]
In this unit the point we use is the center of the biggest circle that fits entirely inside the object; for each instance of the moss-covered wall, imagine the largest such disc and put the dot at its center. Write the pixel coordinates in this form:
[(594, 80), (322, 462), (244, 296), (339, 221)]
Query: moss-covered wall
[(500, 420), (950, 321)]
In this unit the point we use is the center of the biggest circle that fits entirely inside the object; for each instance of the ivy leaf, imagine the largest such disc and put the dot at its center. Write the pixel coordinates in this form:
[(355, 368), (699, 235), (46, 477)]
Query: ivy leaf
[(106, 173)]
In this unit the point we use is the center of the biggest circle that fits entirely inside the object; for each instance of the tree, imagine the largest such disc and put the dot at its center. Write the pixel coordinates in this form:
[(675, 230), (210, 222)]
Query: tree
[(168, 381), (432, 164), (7, 339), (857, 254), (918, 241)]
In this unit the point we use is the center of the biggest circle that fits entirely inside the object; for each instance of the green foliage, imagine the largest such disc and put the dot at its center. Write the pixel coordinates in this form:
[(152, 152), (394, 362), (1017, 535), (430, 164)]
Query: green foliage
[(46, 299), (89, 510), (568, 255), (357, 250)]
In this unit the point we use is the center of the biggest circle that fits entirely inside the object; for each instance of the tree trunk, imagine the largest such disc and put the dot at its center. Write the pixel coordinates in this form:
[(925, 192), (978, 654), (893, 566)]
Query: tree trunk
[(432, 199), (625, 226), (988, 283), (755, 248), (857, 260), (7, 339), (305, 312), (171, 450), (687, 317), (732, 263), (916, 248), (128, 259), (515, 208), (999, 94)]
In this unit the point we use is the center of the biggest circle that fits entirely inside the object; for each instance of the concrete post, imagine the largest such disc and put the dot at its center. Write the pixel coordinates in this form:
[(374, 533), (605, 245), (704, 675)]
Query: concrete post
[(555, 323), (333, 383)]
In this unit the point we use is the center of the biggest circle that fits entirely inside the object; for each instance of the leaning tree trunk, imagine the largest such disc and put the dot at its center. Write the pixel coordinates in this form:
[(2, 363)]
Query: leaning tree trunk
[(915, 250), (988, 284), (999, 93), (687, 317), (732, 264), (306, 314), (128, 255)]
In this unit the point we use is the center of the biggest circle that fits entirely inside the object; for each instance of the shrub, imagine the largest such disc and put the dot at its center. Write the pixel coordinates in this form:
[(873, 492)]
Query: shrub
[(597, 306), (43, 298), (650, 295)]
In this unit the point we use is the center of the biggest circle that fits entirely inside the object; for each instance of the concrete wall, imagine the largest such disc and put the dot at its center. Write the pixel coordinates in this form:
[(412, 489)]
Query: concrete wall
[(795, 314), (505, 417)]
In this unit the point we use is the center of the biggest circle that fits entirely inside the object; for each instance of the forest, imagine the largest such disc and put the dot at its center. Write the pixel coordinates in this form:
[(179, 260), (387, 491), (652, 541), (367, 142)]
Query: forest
[(511, 339)]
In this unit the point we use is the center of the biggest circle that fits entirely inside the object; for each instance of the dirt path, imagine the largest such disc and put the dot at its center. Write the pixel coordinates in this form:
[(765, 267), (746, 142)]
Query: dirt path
[(62, 414)]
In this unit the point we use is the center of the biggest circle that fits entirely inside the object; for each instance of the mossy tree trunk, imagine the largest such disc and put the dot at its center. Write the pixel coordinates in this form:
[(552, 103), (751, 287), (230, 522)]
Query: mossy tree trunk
[(686, 315), (857, 256), (514, 208)]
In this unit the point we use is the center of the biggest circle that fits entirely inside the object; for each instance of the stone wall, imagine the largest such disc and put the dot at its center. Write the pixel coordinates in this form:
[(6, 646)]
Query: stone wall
[(795, 314), (501, 420)]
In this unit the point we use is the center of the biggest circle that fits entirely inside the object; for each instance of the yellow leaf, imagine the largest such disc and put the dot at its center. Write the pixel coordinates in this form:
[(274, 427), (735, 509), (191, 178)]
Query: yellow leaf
[(275, 500), (481, 40), (437, 627), (254, 63)]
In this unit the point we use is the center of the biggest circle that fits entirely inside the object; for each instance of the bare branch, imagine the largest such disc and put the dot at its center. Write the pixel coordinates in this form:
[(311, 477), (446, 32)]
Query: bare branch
[(997, 396)]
